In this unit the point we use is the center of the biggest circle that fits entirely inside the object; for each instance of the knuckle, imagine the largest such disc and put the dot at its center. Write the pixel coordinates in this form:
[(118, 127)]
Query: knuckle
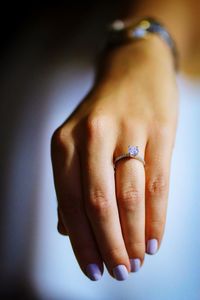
[(139, 246), (114, 253), (157, 225), (136, 246), (61, 229), (60, 137), (99, 205), (157, 185), (96, 125), (130, 198), (156, 228)]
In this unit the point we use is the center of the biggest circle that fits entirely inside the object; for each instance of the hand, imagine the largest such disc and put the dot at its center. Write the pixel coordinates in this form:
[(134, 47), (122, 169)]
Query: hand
[(114, 217)]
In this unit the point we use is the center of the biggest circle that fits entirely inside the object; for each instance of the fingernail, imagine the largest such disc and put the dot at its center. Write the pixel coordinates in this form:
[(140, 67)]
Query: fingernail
[(135, 264), (93, 272), (152, 246), (120, 272)]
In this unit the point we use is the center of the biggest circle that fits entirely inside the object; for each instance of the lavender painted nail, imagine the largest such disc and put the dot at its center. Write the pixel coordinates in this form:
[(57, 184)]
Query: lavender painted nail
[(135, 264), (120, 272), (93, 272), (152, 246)]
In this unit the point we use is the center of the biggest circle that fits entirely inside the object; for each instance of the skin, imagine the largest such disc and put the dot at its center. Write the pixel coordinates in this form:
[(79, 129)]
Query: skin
[(110, 215)]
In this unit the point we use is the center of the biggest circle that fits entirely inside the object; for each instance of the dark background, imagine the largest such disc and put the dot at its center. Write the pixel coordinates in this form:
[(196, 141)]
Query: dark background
[(35, 38)]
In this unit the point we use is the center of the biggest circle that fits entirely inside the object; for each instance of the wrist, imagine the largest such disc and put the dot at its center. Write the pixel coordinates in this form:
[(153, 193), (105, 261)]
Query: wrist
[(122, 61)]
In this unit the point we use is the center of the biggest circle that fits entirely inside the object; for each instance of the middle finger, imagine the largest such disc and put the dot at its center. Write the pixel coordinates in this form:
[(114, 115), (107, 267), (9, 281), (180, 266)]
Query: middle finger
[(100, 201)]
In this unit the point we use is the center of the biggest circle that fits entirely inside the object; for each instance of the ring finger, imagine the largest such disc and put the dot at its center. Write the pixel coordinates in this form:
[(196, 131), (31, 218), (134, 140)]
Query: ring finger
[(130, 189)]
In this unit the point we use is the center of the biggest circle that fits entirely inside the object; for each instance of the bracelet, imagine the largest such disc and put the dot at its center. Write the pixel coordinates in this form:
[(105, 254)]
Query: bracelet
[(123, 32)]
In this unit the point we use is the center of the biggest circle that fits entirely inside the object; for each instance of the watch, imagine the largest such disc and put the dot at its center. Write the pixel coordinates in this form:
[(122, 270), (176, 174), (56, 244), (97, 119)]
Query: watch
[(127, 31)]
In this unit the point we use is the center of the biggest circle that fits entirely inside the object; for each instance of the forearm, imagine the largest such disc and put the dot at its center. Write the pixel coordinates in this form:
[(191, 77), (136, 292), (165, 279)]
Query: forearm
[(179, 17)]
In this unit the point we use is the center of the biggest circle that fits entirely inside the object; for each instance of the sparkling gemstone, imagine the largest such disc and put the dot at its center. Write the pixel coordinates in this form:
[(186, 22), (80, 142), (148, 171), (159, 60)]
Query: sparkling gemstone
[(133, 150)]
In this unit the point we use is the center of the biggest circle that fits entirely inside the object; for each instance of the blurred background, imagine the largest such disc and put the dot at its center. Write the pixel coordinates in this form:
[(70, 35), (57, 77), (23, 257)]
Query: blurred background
[(47, 66)]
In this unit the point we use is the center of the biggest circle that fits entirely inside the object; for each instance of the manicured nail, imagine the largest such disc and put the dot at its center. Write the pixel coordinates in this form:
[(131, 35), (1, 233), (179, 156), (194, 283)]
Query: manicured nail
[(93, 272), (152, 246), (135, 264), (120, 272)]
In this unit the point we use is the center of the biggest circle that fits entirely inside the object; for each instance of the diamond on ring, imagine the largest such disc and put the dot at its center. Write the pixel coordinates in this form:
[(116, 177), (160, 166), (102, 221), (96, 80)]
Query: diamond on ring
[(132, 153), (133, 150)]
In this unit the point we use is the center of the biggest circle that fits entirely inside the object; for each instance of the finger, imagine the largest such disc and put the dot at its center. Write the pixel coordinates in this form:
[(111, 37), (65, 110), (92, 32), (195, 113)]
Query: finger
[(66, 168), (130, 186), (158, 159), (60, 225), (100, 199)]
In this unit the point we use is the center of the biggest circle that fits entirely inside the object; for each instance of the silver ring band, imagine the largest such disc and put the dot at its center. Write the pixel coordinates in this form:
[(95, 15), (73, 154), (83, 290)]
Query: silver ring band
[(132, 153)]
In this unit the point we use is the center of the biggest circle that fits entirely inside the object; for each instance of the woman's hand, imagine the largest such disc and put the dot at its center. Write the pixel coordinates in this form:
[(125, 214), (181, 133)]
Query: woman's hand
[(116, 216)]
